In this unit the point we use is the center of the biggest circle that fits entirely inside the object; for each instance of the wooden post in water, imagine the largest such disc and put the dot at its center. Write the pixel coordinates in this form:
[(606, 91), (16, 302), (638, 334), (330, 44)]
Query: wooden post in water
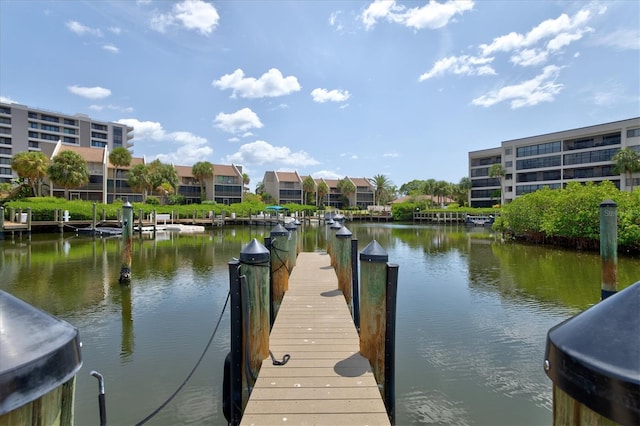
[(127, 243), (293, 243), (327, 234), (279, 266), (373, 312), (94, 217), (608, 248), (343, 262), (28, 222), (298, 237), (254, 278), (354, 283), (1, 223), (140, 216), (333, 229)]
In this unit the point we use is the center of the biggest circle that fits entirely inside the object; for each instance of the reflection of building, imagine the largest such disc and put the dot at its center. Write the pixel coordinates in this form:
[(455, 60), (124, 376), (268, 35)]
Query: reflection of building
[(552, 160)]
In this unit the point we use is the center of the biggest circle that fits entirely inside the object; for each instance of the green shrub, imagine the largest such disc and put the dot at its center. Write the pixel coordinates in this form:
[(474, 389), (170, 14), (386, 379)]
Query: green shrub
[(154, 201)]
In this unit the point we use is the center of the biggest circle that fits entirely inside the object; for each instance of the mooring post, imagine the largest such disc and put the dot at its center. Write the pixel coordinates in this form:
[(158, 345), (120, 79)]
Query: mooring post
[(254, 278), (140, 216), (373, 278), (593, 360), (354, 283), (391, 293), (127, 241), (608, 247), (1, 223), (343, 262), (232, 382), (279, 266), (293, 243), (94, 218), (298, 237), (332, 237), (327, 234)]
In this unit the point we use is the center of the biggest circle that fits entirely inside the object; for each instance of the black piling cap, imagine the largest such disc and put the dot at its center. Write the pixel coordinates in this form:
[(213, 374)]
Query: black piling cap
[(336, 225), (38, 353), (290, 226), (279, 230), (254, 253), (297, 222), (343, 232), (608, 203), (594, 356), (374, 252), (329, 222)]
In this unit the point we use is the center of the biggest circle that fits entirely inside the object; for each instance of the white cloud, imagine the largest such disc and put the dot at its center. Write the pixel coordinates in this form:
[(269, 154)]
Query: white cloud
[(239, 121), (80, 29), (391, 155), (115, 30), (191, 148), (270, 84), (541, 88), (191, 14), (433, 15), (326, 174), (324, 95), (261, 152), (90, 92), (111, 107), (530, 57), (111, 48), (7, 100), (460, 65), (334, 20), (549, 29), (622, 39)]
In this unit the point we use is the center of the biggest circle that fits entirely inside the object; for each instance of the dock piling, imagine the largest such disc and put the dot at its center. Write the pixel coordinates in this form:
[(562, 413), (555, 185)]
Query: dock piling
[(343, 262), (608, 248), (279, 266), (127, 241)]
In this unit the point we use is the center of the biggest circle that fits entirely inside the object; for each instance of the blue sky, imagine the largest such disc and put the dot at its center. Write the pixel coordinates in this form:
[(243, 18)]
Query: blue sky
[(327, 88)]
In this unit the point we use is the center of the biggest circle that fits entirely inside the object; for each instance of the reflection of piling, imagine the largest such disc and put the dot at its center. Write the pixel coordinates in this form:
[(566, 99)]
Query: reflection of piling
[(279, 266), (343, 262), (608, 247), (254, 278), (593, 360), (377, 321), (293, 243), (127, 342), (127, 241)]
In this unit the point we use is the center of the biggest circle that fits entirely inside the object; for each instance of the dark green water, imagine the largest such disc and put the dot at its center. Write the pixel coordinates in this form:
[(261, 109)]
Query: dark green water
[(471, 325)]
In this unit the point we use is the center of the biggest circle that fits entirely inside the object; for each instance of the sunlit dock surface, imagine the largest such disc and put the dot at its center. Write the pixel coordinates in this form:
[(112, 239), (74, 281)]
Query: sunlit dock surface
[(326, 381)]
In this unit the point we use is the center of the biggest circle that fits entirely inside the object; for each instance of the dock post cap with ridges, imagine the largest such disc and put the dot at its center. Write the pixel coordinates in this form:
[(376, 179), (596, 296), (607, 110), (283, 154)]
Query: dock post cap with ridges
[(343, 232), (374, 252), (254, 253), (594, 357), (279, 230)]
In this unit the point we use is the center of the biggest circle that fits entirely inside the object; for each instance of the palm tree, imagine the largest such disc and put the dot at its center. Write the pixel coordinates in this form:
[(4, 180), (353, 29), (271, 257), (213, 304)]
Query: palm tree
[(497, 171), (160, 173), (381, 189), (430, 189), (32, 167), (260, 188), (139, 179), (464, 186), (68, 170), (119, 157), (323, 190), (627, 161), (346, 188), (308, 187), (442, 191), (245, 182), (202, 171)]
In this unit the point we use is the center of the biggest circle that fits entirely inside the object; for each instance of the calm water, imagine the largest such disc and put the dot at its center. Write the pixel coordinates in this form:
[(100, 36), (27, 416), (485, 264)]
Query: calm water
[(471, 327)]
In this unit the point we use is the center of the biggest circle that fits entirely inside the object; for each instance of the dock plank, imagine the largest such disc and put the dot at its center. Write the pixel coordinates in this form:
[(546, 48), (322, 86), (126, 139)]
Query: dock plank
[(326, 381)]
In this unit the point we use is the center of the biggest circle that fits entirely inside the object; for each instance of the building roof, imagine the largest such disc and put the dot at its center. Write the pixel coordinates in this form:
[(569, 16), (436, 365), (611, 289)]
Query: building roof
[(90, 155), (360, 181), (225, 170), (288, 176), (184, 171)]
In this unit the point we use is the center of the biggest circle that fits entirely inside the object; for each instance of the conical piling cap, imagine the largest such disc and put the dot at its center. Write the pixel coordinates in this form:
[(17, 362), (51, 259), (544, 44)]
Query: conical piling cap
[(290, 226), (336, 225), (374, 252), (594, 356), (329, 222), (254, 253), (279, 230), (343, 232)]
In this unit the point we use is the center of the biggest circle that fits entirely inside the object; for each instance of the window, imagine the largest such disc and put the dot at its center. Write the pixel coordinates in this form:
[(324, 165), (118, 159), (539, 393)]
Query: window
[(508, 151), (68, 139), (5, 170), (592, 142), (98, 135), (543, 148), (5, 151), (590, 157), (34, 135), (633, 133), (48, 137), (50, 128), (486, 161), (5, 131), (49, 118), (5, 141), (508, 163), (5, 120), (69, 122), (4, 160), (34, 145), (97, 126), (117, 136), (537, 163), (33, 125), (482, 171), (33, 115), (98, 144), (525, 189), (69, 131), (5, 110)]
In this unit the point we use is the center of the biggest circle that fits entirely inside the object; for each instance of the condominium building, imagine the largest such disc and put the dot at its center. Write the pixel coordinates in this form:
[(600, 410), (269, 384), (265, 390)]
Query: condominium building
[(284, 187), (29, 129), (552, 160)]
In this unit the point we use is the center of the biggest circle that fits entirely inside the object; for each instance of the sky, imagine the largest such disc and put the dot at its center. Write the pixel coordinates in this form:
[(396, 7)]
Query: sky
[(326, 88)]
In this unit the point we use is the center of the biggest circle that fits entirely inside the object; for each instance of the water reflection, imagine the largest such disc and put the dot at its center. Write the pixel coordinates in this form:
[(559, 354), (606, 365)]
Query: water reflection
[(472, 317)]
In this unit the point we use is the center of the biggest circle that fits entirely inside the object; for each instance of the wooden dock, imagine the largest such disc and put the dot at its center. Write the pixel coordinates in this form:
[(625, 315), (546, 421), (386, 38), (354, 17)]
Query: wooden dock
[(326, 380)]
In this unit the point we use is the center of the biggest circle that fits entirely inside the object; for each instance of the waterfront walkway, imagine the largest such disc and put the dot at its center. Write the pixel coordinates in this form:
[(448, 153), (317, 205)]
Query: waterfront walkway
[(326, 380)]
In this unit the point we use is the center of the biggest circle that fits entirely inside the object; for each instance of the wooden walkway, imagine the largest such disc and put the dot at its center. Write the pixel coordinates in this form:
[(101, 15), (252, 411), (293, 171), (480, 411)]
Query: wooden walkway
[(326, 381)]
